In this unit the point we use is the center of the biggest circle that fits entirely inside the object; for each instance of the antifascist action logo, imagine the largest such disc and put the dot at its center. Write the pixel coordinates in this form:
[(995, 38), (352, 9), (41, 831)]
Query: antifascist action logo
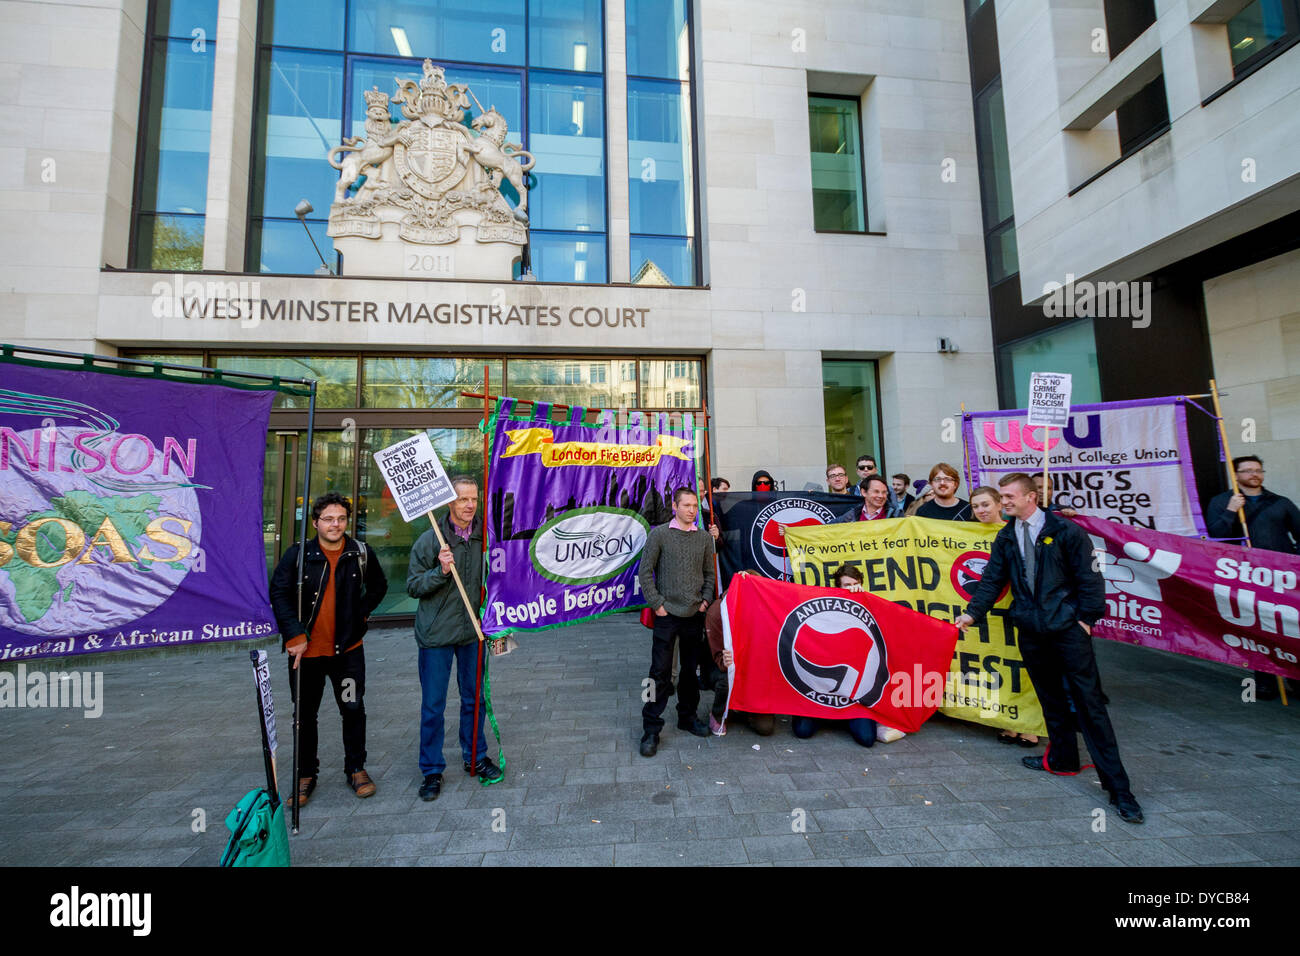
[(832, 651), (766, 542)]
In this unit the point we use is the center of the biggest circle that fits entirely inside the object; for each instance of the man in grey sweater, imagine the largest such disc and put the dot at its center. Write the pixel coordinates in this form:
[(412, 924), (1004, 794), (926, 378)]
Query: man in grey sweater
[(677, 579)]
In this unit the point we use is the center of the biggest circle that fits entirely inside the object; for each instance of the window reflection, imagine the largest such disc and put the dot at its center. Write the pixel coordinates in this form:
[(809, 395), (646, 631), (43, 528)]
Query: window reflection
[(659, 155), (567, 258), (655, 259), (565, 34), (657, 39), (591, 383), (394, 381), (835, 145), (670, 383), (478, 31), (282, 247), (336, 378)]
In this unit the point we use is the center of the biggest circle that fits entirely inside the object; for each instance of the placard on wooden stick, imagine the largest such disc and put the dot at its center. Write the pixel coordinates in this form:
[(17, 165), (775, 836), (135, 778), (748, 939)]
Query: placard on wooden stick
[(1049, 407), (415, 476)]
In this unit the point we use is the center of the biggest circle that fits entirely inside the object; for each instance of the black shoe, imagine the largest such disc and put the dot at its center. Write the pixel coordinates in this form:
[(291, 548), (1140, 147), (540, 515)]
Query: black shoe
[(693, 725), (1036, 763), (1129, 810), (486, 770), (649, 744), (431, 787)]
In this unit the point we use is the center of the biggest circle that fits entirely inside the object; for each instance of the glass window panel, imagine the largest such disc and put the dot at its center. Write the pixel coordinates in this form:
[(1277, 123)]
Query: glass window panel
[(179, 127), (301, 120), (851, 406), (169, 243), (565, 34), (834, 142), (180, 18), (1070, 348), (995, 166), (478, 31), (569, 381), (336, 378), (332, 461), (394, 381), (1004, 258), (657, 41), (670, 383), (317, 24), (1259, 25), (283, 247), (567, 258), (659, 152), (566, 131), (675, 258)]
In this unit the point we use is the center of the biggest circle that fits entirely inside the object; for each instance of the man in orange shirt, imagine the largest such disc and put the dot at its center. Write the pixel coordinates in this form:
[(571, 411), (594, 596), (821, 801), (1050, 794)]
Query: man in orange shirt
[(322, 624)]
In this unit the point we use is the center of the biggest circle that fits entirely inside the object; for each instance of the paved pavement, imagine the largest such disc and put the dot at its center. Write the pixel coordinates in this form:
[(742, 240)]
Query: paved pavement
[(178, 735)]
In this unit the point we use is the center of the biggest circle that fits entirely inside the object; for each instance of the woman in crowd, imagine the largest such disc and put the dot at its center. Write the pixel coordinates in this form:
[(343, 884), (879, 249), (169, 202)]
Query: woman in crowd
[(986, 503), (926, 495), (946, 506), (864, 730)]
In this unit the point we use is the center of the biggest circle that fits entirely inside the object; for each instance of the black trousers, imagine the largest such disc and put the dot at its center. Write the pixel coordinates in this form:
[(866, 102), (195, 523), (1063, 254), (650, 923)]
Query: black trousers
[(669, 629), (1065, 659), (347, 672)]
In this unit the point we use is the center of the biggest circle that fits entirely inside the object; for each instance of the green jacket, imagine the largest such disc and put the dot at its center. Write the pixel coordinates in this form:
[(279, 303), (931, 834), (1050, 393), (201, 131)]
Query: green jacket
[(441, 619)]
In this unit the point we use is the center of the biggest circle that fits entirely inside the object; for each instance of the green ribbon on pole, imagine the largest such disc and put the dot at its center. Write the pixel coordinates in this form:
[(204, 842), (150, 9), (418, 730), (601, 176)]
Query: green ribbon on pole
[(492, 719)]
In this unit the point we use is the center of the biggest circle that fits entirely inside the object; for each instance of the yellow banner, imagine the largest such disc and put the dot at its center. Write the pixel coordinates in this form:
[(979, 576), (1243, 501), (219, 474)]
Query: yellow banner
[(541, 441), (932, 567)]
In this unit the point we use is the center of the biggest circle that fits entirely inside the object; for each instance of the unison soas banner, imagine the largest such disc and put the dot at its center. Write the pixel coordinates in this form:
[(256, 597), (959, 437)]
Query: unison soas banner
[(569, 508), (1125, 461), (130, 512), (933, 567)]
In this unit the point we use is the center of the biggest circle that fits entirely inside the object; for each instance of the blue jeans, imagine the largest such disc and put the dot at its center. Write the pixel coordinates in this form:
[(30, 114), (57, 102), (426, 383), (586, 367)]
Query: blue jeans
[(863, 729), (435, 673)]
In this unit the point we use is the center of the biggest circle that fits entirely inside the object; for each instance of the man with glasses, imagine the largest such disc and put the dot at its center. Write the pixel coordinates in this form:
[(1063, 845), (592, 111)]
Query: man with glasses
[(321, 627), (946, 506), (867, 468), (837, 480), (1272, 521)]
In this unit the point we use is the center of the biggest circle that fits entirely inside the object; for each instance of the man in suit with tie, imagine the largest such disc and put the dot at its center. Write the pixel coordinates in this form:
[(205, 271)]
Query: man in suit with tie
[(1058, 594)]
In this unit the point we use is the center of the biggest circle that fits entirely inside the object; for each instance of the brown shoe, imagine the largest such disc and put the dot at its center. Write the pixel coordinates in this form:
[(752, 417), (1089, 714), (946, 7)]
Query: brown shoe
[(305, 787), (361, 784)]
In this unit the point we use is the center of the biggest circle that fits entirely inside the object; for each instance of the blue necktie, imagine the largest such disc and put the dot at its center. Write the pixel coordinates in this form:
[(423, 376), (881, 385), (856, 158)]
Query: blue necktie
[(1030, 564)]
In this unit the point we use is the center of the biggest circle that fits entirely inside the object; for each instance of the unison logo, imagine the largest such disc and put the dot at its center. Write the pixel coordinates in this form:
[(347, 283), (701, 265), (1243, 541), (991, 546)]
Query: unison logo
[(588, 545)]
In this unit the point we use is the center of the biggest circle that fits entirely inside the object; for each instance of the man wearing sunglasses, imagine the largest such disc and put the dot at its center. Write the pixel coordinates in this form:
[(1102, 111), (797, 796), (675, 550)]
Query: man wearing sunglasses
[(866, 469)]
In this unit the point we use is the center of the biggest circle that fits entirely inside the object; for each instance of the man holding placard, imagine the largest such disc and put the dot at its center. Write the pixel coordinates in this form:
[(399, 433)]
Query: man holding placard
[(446, 632)]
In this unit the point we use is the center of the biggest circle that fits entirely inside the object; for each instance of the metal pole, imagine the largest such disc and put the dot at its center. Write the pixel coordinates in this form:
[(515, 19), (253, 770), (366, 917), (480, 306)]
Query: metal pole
[(478, 666), (302, 557)]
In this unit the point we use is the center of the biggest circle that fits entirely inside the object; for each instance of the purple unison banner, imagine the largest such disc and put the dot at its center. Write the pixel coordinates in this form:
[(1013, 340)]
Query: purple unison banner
[(130, 512), (569, 508)]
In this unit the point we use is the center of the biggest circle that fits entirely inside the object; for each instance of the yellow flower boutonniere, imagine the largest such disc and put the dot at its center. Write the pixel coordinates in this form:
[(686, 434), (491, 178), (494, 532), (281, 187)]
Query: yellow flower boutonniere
[(1047, 541)]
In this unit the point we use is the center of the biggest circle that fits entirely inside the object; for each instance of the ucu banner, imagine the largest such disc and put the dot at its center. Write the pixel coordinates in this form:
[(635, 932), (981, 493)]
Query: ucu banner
[(1218, 602), (1124, 461)]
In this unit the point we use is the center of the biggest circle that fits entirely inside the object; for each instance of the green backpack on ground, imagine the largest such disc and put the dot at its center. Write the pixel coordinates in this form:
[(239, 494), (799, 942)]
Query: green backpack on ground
[(257, 832)]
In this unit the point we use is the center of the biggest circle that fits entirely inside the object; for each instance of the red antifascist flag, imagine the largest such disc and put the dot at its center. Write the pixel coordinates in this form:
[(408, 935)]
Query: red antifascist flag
[(824, 652)]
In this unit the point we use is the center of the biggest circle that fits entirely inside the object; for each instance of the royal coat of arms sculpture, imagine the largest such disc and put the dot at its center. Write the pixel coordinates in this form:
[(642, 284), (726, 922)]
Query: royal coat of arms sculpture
[(429, 184)]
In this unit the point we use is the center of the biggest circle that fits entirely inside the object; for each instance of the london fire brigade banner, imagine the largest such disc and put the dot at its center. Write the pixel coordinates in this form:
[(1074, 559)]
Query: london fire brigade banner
[(1126, 461), (933, 567), (569, 508), (130, 512), (823, 652), (750, 523), (1218, 602)]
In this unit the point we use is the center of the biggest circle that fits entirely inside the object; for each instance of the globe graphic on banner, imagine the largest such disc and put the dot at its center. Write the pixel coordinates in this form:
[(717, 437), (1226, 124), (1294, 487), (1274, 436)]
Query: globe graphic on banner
[(93, 533)]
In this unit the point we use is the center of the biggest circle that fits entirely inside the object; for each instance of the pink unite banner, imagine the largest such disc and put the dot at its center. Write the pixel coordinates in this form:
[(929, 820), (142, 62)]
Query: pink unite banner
[(1218, 602)]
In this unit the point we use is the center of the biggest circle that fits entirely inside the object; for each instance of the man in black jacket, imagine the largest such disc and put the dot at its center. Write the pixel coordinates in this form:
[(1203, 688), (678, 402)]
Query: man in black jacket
[(322, 621), (1058, 595)]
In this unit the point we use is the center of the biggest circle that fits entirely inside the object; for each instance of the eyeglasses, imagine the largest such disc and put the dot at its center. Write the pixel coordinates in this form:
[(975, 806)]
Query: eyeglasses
[(837, 474), (1250, 471), (762, 484), (331, 520), (944, 481)]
